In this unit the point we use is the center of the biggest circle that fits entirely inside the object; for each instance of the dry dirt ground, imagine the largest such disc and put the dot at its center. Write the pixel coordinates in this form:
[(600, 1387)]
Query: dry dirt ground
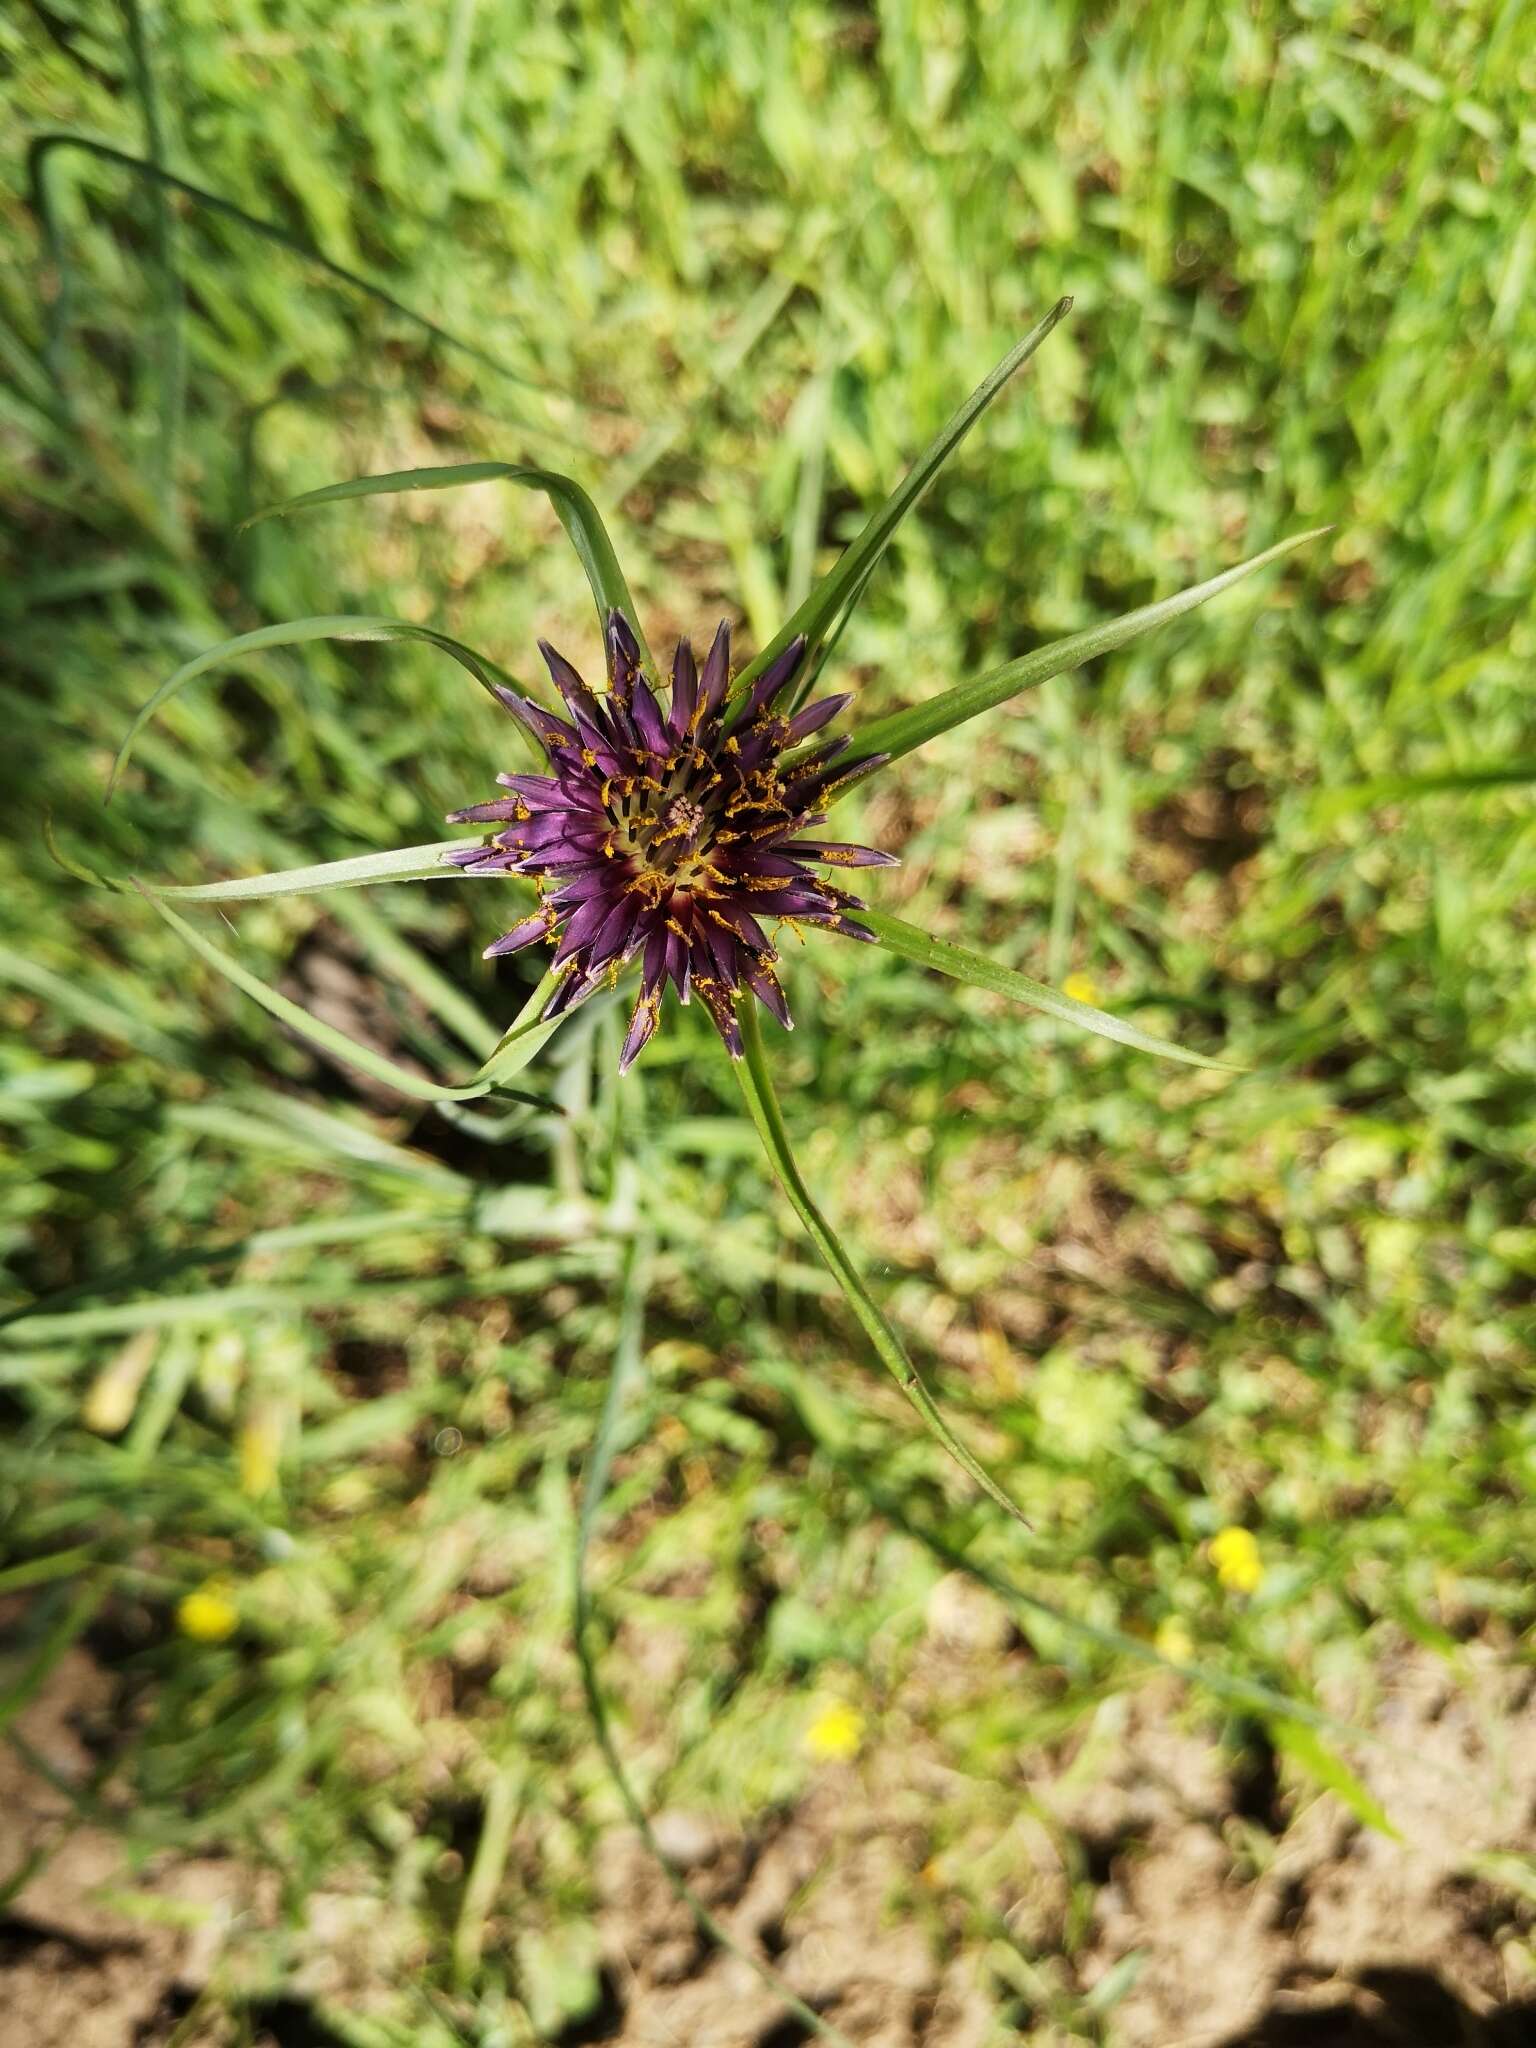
[(1238, 1914)]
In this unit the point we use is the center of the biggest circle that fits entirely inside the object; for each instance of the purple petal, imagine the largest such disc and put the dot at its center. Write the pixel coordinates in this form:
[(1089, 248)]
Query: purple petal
[(583, 928), (642, 1022), (740, 920), (834, 853), (544, 725), (764, 984), (527, 933), (565, 676), (774, 678), (815, 716), (716, 676), (492, 813), (623, 655), (648, 722), (679, 964), (547, 793), (722, 1011), (614, 933), (685, 689)]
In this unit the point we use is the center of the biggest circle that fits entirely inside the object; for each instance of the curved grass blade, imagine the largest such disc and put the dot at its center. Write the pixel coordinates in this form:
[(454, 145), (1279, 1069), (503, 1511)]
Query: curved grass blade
[(846, 580), (574, 509), (171, 367), (335, 1042), (599, 1466), (903, 730), (756, 1085), (40, 197), (913, 943), (294, 633)]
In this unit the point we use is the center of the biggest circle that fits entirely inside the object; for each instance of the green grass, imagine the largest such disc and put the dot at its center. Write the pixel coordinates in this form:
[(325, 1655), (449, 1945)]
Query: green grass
[(760, 254)]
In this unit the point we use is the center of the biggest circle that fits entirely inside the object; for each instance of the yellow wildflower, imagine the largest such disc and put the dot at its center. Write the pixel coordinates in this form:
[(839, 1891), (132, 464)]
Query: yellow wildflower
[(209, 1615), (835, 1733), (1082, 988), (1235, 1557)]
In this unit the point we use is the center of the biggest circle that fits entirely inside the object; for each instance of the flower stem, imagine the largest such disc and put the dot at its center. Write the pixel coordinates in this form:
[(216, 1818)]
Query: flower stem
[(756, 1085)]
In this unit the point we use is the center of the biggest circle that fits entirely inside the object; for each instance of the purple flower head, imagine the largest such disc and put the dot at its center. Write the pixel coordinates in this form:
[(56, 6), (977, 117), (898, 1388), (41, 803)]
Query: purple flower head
[(671, 832)]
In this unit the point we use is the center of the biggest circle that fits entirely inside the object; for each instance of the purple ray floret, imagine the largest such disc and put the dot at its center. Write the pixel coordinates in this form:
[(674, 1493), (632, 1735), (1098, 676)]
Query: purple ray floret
[(672, 833)]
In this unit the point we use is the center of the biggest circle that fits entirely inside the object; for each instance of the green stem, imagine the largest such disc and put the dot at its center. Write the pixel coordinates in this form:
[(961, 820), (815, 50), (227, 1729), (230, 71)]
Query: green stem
[(756, 1085)]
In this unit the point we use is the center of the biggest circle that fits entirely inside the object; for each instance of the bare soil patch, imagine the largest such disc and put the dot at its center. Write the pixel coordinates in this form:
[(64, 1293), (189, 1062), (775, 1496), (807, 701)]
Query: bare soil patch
[(1222, 1904)]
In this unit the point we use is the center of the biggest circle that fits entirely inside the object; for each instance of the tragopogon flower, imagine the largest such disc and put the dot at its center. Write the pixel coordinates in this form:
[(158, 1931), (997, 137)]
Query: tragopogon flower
[(672, 833)]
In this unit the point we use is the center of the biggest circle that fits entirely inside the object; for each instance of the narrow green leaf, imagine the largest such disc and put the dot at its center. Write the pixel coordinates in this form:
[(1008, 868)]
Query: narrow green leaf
[(294, 633), (842, 585), (149, 1271), (42, 1571), (756, 1084), (42, 147), (903, 730), (170, 347), (1305, 1746), (313, 1028), (359, 871), (912, 943), (575, 510), (524, 1035), (1388, 789)]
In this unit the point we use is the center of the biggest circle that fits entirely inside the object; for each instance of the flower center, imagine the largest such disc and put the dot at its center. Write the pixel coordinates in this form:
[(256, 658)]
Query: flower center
[(685, 817)]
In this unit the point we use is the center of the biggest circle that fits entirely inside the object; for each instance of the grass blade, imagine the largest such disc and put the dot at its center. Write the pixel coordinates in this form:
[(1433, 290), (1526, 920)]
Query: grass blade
[(757, 1089), (904, 730), (841, 587), (1391, 789), (575, 510), (912, 943), (171, 366), (42, 147), (624, 1376), (524, 1035), (294, 633), (297, 1018)]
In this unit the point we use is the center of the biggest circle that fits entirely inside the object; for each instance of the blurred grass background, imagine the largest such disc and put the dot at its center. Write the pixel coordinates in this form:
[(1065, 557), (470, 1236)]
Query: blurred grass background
[(344, 1358)]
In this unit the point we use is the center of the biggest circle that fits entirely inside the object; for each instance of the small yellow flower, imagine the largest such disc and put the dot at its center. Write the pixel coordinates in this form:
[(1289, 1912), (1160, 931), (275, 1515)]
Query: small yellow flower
[(1235, 1557), (1082, 988), (835, 1734), (1173, 1640), (209, 1615)]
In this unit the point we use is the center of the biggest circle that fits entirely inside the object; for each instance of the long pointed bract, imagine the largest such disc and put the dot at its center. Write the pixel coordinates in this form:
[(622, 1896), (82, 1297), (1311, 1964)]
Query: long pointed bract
[(756, 1084), (843, 583), (903, 730)]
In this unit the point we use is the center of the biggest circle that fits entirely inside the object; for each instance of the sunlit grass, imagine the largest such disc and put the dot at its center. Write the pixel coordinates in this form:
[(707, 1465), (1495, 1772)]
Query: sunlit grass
[(1162, 1304)]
